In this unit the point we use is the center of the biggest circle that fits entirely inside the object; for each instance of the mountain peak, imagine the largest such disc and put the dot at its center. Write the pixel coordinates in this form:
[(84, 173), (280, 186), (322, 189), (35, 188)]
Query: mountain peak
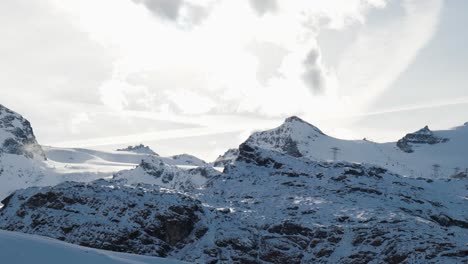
[(296, 120), (424, 131), (422, 136), (289, 138)]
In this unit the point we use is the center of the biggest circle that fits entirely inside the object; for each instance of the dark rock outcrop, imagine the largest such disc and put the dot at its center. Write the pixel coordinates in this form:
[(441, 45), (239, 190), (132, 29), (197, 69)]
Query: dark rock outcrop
[(142, 149), (422, 136)]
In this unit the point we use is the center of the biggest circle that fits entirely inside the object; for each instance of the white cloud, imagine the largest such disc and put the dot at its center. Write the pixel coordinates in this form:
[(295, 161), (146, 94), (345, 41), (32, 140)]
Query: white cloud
[(213, 61), (382, 51)]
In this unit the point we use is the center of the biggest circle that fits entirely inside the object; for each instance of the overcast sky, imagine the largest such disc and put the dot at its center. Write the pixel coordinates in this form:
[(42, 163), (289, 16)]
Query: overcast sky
[(198, 76)]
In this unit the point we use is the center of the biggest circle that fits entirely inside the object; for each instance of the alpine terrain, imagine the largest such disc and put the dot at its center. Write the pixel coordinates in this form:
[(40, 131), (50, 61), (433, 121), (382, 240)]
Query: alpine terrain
[(287, 195)]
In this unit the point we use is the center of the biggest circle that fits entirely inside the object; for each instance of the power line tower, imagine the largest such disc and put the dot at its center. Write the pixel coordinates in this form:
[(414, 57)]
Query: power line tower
[(436, 169), (335, 151)]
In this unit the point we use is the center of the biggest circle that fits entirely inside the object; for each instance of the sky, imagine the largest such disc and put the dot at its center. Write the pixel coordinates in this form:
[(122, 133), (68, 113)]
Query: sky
[(199, 76)]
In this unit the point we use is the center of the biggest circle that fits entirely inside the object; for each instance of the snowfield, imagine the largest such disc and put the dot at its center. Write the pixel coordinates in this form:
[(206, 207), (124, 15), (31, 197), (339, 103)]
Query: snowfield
[(18, 248)]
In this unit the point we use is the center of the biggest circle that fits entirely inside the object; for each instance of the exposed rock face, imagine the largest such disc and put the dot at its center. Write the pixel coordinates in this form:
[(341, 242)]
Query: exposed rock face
[(227, 158), (285, 138), (142, 149), (460, 175), (105, 216), (422, 136), (17, 136)]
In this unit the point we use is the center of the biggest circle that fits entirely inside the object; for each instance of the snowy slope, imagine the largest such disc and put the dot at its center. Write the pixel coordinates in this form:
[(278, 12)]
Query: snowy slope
[(187, 160), (20, 248), (17, 171), (301, 139), (88, 160)]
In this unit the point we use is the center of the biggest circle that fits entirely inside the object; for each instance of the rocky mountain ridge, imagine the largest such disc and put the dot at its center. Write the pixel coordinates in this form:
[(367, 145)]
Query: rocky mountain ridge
[(412, 156)]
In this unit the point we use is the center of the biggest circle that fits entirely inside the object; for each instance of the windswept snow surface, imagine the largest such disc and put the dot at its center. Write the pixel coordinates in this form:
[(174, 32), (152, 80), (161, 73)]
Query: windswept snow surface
[(88, 160), (18, 248)]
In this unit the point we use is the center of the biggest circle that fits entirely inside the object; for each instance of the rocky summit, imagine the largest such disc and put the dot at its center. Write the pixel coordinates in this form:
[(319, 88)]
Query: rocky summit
[(17, 136), (422, 136), (141, 149)]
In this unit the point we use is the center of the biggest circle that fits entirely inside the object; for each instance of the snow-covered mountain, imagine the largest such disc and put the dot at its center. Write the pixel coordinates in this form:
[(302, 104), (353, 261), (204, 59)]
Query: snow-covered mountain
[(21, 157), (23, 161), (280, 209), (414, 155), (291, 194), (21, 248), (266, 207)]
